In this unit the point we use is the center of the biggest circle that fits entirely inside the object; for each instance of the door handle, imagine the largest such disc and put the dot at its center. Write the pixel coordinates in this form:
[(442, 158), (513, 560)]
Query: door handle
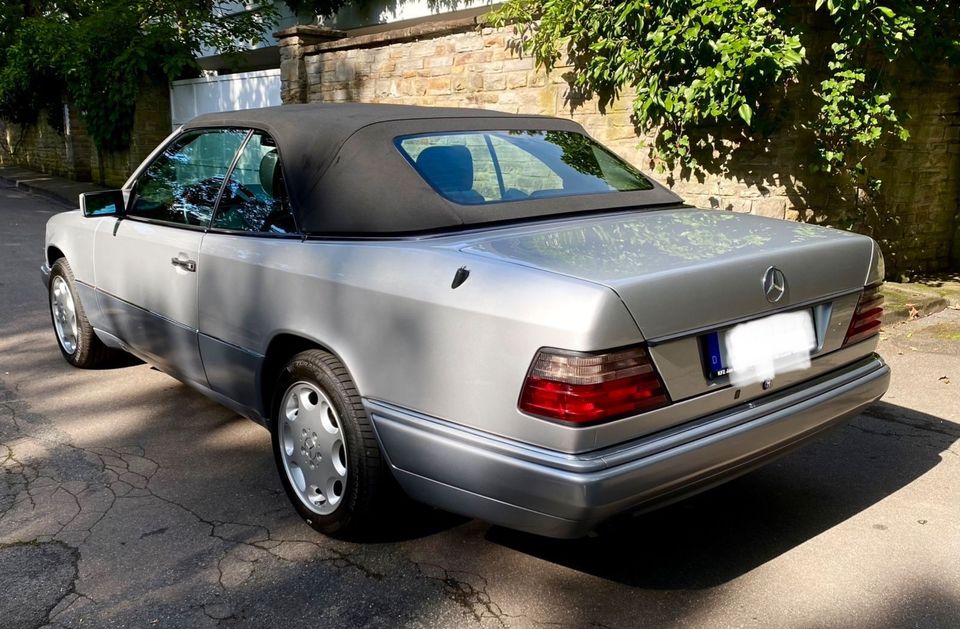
[(187, 265)]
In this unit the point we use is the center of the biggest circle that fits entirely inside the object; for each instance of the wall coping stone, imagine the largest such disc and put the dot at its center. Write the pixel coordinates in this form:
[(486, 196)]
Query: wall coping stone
[(425, 30), (310, 33)]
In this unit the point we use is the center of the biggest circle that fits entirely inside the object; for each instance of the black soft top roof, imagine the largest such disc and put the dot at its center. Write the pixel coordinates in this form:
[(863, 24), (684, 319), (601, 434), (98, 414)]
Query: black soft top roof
[(345, 175)]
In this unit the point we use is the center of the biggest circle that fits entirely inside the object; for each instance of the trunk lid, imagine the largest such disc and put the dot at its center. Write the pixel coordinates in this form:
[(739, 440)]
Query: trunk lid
[(684, 270)]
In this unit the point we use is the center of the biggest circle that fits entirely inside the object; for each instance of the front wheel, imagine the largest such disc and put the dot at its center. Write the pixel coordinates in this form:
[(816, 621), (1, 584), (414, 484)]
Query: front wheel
[(75, 336), (325, 449)]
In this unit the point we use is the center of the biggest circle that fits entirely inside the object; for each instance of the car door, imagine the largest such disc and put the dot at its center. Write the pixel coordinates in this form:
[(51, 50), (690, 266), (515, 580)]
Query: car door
[(244, 259), (145, 263)]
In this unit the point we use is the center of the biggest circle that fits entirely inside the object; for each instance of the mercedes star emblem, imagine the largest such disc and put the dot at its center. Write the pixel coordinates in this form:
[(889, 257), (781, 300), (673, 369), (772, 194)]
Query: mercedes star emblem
[(774, 284)]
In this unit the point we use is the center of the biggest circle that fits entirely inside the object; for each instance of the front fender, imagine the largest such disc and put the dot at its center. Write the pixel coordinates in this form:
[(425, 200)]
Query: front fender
[(71, 235)]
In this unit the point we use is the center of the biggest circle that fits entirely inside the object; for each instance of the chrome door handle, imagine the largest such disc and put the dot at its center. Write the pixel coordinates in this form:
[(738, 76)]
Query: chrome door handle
[(187, 265)]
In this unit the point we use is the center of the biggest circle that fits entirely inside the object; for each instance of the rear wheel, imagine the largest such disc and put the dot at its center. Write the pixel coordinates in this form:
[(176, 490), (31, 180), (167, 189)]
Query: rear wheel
[(75, 336), (325, 449)]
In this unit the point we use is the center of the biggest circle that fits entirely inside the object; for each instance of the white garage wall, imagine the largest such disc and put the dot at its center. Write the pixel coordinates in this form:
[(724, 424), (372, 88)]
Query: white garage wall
[(229, 92)]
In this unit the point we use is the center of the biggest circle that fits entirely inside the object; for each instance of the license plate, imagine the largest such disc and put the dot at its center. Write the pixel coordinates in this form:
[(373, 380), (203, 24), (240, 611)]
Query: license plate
[(761, 349), (713, 358)]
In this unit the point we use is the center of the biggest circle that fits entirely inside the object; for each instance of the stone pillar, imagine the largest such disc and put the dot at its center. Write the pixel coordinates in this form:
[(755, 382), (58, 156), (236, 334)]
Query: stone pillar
[(293, 72)]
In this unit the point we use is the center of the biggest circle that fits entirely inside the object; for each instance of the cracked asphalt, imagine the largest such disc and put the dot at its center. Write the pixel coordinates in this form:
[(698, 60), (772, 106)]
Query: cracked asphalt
[(128, 500)]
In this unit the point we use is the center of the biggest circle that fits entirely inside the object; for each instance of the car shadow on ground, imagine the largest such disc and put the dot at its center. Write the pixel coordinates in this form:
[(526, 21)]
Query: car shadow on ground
[(721, 534), (418, 521), (215, 493)]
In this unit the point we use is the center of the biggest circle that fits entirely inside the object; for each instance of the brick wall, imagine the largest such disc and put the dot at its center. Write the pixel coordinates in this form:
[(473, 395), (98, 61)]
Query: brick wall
[(458, 63), (71, 153)]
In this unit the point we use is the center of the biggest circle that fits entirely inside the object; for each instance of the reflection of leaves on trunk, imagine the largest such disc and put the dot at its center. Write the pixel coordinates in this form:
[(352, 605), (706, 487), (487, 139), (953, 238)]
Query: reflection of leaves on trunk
[(804, 232), (658, 242)]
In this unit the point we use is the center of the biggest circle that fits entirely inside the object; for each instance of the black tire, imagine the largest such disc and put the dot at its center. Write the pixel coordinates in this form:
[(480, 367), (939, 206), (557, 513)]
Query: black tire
[(88, 351), (366, 483)]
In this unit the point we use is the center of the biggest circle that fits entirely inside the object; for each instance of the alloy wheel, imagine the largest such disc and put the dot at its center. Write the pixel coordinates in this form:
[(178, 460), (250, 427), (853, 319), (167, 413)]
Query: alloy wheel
[(312, 447), (64, 314)]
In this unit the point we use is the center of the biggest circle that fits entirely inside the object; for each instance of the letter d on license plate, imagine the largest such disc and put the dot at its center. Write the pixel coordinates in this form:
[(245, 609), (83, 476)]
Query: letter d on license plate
[(761, 349)]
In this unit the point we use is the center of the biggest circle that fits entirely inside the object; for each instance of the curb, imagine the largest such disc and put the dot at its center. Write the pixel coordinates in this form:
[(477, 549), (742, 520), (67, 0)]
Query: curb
[(26, 186), (47, 194), (52, 187), (923, 305)]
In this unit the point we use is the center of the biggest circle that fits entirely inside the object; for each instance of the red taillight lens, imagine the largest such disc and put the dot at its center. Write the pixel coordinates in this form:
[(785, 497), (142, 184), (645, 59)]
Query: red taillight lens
[(586, 388), (866, 318)]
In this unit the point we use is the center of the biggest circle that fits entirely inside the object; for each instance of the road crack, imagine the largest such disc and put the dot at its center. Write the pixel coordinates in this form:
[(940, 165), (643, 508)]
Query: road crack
[(468, 590)]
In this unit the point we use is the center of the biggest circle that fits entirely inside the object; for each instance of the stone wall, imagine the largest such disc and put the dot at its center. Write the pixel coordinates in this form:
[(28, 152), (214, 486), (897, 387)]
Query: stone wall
[(47, 149), (151, 125), (71, 153), (462, 63)]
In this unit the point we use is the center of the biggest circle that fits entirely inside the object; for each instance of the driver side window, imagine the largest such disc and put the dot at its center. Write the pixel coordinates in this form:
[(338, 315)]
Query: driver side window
[(182, 183)]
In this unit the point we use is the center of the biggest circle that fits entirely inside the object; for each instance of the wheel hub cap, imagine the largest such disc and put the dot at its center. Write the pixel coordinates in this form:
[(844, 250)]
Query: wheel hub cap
[(312, 447), (64, 314)]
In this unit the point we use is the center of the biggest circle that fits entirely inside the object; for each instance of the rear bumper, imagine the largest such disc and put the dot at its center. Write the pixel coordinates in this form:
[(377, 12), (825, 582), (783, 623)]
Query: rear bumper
[(565, 495)]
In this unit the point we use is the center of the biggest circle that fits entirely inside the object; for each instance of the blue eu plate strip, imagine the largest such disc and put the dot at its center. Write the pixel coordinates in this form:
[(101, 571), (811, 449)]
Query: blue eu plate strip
[(713, 356)]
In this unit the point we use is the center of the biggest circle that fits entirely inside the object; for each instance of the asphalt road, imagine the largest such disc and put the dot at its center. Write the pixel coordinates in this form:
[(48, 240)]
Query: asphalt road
[(127, 499)]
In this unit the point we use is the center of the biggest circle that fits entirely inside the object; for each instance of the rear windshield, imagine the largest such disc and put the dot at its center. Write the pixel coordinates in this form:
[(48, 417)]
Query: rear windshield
[(477, 167)]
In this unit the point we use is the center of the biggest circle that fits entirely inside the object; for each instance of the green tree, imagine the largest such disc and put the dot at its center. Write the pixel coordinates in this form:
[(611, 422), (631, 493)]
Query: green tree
[(95, 53), (696, 65)]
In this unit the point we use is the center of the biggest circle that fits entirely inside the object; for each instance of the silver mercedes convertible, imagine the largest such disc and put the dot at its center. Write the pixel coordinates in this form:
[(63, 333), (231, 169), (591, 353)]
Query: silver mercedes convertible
[(493, 310)]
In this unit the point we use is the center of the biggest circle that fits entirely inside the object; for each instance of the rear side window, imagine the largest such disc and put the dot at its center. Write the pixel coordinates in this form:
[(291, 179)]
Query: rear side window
[(255, 198), (181, 185), (477, 167)]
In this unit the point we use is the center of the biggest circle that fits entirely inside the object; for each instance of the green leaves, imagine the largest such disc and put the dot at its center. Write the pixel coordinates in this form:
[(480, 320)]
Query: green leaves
[(857, 110), (709, 65), (690, 64), (30, 78), (96, 53)]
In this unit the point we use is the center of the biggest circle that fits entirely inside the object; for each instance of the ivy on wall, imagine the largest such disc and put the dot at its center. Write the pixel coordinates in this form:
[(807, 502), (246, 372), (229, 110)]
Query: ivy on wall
[(708, 64)]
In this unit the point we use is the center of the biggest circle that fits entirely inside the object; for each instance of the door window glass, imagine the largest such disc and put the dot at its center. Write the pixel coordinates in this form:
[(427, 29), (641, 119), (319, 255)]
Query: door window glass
[(181, 185), (255, 198)]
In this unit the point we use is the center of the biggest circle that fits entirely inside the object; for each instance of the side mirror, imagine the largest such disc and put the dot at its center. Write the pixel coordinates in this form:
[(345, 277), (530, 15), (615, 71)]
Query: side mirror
[(106, 203)]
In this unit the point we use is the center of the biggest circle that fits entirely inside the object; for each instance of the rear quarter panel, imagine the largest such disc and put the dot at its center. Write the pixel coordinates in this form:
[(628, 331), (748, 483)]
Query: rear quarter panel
[(388, 311)]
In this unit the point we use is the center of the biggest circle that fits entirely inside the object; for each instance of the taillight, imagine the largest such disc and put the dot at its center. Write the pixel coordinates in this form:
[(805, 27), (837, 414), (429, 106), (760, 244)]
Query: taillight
[(584, 388), (866, 318)]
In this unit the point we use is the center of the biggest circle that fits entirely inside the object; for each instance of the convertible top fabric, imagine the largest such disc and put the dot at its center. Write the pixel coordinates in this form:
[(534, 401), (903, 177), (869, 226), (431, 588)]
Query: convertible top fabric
[(345, 175)]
